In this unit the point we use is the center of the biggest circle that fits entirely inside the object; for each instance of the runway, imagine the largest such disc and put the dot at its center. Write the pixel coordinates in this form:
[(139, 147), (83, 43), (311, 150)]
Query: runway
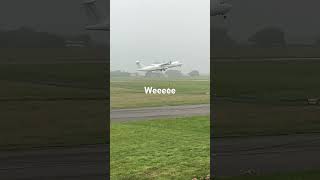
[(159, 112), (266, 154), (78, 163)]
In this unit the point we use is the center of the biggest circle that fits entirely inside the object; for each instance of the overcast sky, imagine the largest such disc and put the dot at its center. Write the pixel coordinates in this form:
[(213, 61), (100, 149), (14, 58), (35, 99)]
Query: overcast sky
[(298, 18), (160, 31), (57, 16)]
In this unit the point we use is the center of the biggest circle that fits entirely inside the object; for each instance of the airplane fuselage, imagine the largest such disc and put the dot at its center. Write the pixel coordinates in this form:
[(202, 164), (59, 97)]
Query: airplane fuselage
[(174, 64), (151, 68), (160, 67)]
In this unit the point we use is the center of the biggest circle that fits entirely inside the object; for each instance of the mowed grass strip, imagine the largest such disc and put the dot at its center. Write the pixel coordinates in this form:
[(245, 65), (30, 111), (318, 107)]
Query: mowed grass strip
[(22, 90), (310, 175), (241, 119), (176, 148), (130, 93), (25, 125), (267, 80), (90, 75), (29, 117)]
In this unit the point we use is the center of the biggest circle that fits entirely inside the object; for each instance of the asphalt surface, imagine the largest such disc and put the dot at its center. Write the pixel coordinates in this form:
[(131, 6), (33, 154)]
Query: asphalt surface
[(159, 112), (265, 155), (78, 163)]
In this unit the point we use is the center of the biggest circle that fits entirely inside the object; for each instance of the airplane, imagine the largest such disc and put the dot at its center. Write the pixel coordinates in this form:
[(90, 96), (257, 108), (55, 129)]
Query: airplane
[(220, 8), (158, 67), (96, 21)]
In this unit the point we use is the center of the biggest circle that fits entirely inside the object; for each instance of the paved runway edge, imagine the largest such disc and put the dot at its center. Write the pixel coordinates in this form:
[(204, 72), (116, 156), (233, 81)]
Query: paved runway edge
[(159, 112)]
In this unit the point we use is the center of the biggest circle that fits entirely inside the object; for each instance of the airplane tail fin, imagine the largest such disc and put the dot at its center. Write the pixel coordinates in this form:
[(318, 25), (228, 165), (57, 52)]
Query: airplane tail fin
[(92, 11), (139, 65)]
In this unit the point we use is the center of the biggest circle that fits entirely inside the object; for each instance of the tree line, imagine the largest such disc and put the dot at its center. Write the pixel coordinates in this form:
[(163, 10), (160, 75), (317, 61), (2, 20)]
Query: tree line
[(265, 38)]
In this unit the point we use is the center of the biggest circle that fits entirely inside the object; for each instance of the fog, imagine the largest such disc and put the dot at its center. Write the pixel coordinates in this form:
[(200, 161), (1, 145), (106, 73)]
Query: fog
[(159, 31), (297, 18)]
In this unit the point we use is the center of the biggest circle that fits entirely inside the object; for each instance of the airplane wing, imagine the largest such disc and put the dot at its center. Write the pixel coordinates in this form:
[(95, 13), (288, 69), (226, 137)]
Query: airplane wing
[(165, 64)]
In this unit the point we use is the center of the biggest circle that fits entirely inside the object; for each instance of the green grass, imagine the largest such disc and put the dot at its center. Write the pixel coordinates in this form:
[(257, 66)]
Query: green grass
[(129, 93), (269, 83), (86, 76), (63, 123), (176, 148), (267, 80), (30, 119), (251, 52), (242, 119), (311, 175), (49, 54)]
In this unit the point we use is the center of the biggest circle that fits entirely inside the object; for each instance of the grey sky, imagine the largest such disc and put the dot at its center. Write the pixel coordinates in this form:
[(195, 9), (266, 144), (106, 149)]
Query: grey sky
[(160, 30), (298, 18), (57, 16)]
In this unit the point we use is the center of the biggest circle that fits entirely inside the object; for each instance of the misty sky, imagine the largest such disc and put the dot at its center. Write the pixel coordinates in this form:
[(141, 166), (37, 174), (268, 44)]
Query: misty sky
[(58, 16), (298, 18), (160, 31)]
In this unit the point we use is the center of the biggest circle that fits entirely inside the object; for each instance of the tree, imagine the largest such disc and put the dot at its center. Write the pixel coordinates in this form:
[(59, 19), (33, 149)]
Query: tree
[(174, 73), (194, 73), (269, 37)]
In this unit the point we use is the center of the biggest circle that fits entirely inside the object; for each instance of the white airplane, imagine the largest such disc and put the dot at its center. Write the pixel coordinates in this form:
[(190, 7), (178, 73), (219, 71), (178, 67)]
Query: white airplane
[(220, 8), (158, 67), (96, 22)]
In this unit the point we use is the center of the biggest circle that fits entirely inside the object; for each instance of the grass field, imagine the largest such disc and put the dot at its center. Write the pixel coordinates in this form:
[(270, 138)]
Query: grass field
[(243, 119), (72, 75), (53, 104), (32, 99), (129, 93), (255, 52), (273, 88), (59, 123), (161, 149), (267, 80), (50, 54), (311, 175)]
